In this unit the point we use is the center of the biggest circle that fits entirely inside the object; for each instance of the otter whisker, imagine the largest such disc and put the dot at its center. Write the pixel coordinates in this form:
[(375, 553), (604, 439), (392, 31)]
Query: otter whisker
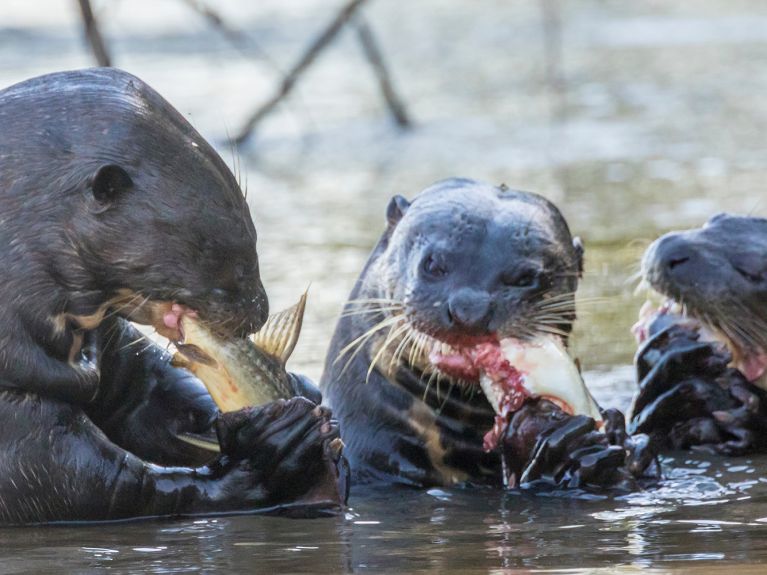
[(115, 310), (753, 324), (394, 331), (423, 341), (570, 304), (447, 395), (551, 330), (643, 287), (559, 318), (439, 384), (410, 339), (384, 323), (147, 347), (549, 295), (372, 310), (637, 276), (365, 301), (397, 355), (740, 334), (432, 377), (359, 343), (115, 329), (414, 348)]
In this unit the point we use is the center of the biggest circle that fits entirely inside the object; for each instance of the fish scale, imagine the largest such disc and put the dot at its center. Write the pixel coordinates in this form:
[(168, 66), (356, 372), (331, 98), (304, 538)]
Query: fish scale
[(246, 372)]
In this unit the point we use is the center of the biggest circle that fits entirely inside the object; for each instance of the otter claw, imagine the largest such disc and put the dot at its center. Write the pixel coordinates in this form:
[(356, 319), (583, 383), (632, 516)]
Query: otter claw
[(723, 417), (336, 448)]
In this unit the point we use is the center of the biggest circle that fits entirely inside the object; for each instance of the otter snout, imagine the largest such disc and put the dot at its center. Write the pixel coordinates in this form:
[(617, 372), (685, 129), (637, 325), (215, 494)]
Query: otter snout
[(469, 310), (238, 312), (670, 261)]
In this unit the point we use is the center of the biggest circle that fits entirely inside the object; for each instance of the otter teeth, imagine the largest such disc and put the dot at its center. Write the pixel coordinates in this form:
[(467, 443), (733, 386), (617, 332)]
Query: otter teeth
[(649, 310), (172, 319)]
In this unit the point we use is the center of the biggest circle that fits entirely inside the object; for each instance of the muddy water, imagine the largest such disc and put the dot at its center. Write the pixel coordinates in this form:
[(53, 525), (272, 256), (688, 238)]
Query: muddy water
[(634, 117)]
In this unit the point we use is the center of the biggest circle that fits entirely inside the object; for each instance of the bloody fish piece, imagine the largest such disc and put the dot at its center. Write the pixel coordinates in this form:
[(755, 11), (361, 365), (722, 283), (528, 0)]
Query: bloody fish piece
[(513, 370)]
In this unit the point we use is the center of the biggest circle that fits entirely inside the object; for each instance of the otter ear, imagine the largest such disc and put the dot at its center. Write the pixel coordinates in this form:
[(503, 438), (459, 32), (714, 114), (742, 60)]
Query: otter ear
[(108, 183), (579, 249), (396, 209)]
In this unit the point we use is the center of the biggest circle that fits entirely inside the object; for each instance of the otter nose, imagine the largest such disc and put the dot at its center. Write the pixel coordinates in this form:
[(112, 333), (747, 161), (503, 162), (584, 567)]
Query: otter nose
[(667, 257), (469, 309)]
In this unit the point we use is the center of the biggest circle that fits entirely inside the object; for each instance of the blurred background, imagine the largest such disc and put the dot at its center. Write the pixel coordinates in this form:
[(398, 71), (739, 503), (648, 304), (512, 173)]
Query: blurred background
[(634, 117)]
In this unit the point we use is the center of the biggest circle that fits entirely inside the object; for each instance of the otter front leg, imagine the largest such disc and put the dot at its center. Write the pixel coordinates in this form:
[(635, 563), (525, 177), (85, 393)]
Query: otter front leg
[(144, 403), (55, 465), (28, 364)]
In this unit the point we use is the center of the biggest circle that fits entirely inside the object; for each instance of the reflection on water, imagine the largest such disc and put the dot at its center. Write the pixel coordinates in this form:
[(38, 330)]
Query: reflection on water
[(706, 512), (651, 117)]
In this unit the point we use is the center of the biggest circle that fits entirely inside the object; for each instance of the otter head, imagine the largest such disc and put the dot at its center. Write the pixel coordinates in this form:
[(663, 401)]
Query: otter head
[(717, 275), (468, 262), (141, 214)]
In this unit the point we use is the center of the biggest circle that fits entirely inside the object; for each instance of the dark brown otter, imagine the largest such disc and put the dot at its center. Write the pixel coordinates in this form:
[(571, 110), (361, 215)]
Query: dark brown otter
[(464, 263), (112, 206), (703, 360)]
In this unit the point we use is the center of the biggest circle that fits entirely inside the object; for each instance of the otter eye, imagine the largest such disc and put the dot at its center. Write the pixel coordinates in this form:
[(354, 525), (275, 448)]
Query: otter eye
[(524, 278), (750, 266), (748, 275), (433, 267)]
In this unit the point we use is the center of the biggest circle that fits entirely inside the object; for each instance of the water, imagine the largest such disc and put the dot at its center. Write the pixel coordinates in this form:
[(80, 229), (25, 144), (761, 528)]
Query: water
[(705, 517), (634, 117)]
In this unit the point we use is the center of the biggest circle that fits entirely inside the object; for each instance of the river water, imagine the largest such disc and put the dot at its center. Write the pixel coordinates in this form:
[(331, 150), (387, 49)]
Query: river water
[(634, 117)]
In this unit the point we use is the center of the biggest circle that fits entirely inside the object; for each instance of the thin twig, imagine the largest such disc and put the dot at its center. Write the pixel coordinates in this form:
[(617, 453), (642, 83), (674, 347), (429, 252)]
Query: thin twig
[(375, 58), (307, 58), (238, 39), (93, 34), (553, 54)]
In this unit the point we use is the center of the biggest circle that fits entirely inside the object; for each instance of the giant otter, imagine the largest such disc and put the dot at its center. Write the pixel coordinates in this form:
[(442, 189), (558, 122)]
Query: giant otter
[(702, 364), (112, 207), (464, 263)]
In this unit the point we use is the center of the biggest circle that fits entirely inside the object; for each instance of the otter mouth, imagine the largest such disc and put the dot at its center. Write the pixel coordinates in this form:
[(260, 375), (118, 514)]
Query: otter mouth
[(501, 383), (750, 360), (166, 317), (512, 370), (170, 321), (507, 370)]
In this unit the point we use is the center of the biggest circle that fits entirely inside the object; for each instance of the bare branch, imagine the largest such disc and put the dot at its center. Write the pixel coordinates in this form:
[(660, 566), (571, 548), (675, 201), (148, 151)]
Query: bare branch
[(320, 42), (241, 41), (93, 34), (375, 57)]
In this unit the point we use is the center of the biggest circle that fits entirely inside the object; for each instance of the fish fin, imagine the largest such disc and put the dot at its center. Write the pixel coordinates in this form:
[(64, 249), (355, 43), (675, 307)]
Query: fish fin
[(180, 360), (201, 441), (279, 335)]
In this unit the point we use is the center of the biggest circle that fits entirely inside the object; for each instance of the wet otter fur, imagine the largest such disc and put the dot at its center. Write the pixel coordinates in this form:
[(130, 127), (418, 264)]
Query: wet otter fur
[(465, 261), (702, 363), (113, 207)]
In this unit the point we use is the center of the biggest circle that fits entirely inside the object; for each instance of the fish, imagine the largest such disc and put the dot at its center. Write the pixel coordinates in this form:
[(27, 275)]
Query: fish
[(240, 373), (512, 370)]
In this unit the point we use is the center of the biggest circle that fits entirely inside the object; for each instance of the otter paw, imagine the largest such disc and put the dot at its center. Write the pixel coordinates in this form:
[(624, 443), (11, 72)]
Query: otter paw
[(302, 386), (672, 355), (292, 451), (545, 446), (690, 398)]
